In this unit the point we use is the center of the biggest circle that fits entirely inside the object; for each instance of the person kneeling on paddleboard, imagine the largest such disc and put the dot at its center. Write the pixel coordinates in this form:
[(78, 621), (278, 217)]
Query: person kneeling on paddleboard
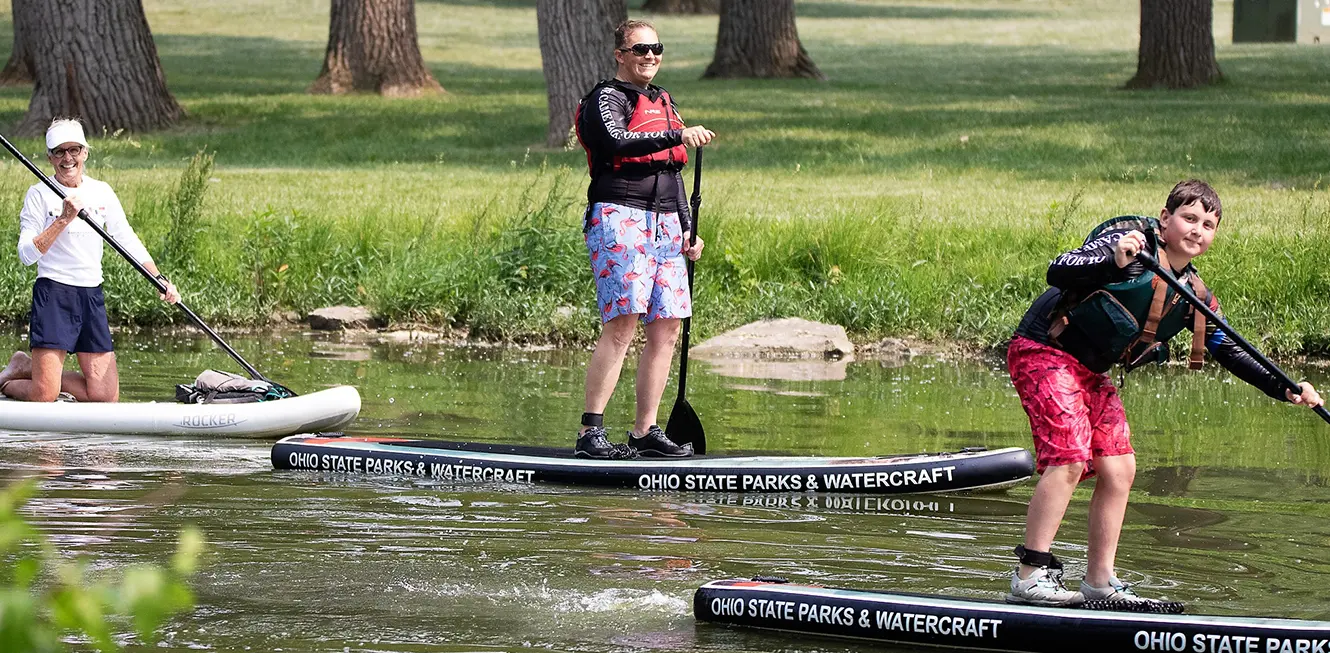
[(1106, 308), (637, 229), (68, 309)]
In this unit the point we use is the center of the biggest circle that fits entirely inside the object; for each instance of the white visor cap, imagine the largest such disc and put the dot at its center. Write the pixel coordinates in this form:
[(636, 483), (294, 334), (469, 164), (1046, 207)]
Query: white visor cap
[(64, 131)]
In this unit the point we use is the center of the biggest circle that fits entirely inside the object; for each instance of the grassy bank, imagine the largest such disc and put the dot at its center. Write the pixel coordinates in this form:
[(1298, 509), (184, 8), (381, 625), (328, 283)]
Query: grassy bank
[(921, 191)]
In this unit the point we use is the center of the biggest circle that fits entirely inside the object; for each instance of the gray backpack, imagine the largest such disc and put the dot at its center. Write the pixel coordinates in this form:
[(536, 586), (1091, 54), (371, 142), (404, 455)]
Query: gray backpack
[(217, 387)]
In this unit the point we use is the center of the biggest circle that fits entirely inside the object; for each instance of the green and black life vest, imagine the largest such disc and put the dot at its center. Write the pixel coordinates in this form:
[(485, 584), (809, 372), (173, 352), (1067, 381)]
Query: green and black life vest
[(1128, 321)]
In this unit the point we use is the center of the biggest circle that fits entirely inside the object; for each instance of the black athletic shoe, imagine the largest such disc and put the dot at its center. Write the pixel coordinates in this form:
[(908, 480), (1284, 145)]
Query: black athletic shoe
[(655, 443), (594, 444)]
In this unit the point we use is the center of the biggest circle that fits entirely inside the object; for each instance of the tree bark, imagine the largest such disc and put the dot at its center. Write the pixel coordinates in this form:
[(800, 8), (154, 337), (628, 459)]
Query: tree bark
[(372, 46), (758, 38), (99, 64), (18, 70), (682, 6), (576, 51), (1177, 45)]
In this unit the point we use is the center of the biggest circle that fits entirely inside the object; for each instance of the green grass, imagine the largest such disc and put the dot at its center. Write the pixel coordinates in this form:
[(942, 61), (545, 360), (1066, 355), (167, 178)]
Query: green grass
[(920, 191)]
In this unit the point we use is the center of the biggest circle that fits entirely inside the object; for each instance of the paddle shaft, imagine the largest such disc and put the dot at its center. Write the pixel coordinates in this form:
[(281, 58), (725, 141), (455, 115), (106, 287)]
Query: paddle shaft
[(1180, 288), (696, 202), (124, 253)]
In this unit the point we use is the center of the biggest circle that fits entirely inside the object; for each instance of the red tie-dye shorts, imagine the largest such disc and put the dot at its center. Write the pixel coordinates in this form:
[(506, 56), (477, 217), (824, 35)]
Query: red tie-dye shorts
[(1075, 414)]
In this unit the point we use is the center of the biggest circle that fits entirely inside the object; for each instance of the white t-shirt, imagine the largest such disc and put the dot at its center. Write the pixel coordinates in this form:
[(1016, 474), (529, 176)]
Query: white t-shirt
[(75, 258)]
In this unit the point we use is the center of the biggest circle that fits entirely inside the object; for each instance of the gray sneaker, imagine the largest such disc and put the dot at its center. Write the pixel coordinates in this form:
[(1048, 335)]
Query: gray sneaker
[(1118, 596), (1116, 591), (1042, 588)]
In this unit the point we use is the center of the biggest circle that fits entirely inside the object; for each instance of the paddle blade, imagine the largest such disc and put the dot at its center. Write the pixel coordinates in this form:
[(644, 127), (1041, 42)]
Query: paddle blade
[(685, 427)]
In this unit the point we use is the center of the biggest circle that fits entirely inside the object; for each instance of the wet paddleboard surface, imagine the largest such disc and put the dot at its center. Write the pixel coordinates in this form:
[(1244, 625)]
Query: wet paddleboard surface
[(934, 620), (968, 470)]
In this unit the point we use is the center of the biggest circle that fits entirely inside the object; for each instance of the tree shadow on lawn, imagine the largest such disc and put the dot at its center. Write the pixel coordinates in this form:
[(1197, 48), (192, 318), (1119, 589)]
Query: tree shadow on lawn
[(815, 9), (1040, 112), (1036, 112), (889, 11), (1047, 143), (210, 65), (529, 5)]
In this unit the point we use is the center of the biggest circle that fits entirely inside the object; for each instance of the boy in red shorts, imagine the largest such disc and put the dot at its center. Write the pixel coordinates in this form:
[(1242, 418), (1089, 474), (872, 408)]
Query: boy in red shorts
[(1103, 308)]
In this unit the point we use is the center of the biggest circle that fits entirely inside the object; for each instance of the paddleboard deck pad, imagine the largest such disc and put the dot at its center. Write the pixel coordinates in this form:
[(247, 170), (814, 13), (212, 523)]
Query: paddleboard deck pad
[(328, 409), (920, 619), (971, 469)]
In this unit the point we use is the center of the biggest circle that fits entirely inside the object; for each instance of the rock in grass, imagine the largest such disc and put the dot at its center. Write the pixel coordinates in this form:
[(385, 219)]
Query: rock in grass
[(337, 318), (791, 349), (889, 348), (789, 338), (284, 317)]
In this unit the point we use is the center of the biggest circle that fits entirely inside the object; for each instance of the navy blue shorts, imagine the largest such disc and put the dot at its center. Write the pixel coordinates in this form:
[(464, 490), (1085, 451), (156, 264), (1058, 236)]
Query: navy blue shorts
[(68, 318)]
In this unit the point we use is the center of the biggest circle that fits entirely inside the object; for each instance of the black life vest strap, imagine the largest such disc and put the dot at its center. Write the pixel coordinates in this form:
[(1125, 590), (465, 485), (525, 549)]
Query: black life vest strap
[(586, 217)]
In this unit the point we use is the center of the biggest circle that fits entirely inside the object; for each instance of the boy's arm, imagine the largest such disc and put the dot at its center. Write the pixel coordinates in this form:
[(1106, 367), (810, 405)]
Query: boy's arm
[(1236, 360), (1091, 265)]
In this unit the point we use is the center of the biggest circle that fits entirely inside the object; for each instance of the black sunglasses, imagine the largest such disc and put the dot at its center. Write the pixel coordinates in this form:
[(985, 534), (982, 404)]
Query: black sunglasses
[(60, 152), (641, 49)]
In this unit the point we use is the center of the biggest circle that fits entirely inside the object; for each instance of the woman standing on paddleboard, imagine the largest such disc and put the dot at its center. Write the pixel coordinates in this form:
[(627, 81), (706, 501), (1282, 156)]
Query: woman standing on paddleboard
[(68, 310), (637, 229)]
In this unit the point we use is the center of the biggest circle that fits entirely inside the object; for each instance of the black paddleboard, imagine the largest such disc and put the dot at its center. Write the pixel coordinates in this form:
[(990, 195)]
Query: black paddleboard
[(971, 469), (903, 618)]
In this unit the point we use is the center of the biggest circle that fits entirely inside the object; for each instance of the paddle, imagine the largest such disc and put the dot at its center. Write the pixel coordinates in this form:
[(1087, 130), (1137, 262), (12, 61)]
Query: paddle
[(1153, 265), (684, 425), (158, 283)]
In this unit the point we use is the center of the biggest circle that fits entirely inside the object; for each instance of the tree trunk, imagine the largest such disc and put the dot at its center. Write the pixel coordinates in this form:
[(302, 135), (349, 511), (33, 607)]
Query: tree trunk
[(98, 63), (758, 38), (576, 51), (682, 6), (372, 46), (1177, 45), (19, 69)]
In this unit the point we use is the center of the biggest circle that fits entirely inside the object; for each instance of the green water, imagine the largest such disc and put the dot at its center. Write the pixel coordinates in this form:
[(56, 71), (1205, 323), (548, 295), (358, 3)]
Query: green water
[(1229, 512)]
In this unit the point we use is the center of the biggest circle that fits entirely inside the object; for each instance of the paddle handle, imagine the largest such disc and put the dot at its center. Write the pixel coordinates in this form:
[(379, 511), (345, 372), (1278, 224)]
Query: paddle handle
[(696, 199), (1292, 386), (696, 202), (124, 253)]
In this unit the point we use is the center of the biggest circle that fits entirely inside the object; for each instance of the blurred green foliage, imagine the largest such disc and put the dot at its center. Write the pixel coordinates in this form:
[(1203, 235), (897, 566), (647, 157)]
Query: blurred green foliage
[(45, 599)]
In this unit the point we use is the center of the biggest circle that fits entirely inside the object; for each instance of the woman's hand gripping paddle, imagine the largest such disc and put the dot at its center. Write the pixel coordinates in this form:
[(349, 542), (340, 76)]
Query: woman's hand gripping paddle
[(157, 283), (684, 426), (1289, 384)]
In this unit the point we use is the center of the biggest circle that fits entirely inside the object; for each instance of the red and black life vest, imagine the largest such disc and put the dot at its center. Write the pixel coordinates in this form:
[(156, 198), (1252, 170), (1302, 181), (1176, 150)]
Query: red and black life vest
[(649, 115)]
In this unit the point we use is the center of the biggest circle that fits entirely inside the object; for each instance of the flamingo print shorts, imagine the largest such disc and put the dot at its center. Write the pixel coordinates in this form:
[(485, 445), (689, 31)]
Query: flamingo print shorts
[(637, 259)]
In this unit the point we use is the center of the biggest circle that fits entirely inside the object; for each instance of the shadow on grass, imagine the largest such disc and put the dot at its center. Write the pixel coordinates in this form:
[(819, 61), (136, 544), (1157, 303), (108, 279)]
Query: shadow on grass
[(1043, 112), (502, 4), (905, 11), (210, 65)]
